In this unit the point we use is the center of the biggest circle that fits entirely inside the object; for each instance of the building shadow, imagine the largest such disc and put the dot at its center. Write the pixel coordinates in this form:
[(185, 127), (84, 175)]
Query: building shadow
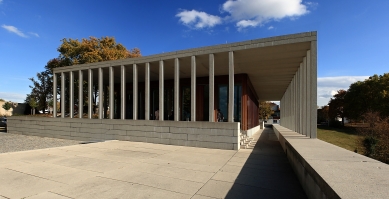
[(266, 173)]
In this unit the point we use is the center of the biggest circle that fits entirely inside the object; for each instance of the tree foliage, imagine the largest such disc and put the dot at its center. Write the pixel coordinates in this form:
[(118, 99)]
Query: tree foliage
[(73, 52), (6, 106), (376, 136), (265, 109), (336, 106), (369, 95)]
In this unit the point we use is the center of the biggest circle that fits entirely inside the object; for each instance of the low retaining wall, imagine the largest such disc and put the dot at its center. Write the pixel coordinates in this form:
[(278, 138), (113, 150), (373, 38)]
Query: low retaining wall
[(253, 130), (219, 135), (327, 171)]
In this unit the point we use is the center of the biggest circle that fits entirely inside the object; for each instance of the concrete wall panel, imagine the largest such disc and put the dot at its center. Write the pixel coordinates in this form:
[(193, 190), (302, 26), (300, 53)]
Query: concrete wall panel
[(219, 135)]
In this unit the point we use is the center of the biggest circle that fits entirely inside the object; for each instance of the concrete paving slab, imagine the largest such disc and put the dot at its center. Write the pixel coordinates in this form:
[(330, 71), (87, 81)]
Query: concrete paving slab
[(88, 164), (104, 188), (157, 181), (20, 185), (177, 164), (121, 169), (265, 167), (201, 197), (220, 189), (169, 171), (53, 172), (195, 158), (47, 195), (269, 181)]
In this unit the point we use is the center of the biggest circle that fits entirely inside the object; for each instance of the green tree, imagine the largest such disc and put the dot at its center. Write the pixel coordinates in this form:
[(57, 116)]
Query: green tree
[(336, 106), (6, 106), (369, 95), (34, 104)]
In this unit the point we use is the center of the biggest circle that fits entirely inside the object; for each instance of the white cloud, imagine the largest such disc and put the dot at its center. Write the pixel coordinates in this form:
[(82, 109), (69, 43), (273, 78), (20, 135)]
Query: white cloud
[(198, 19), (328, 86), (15, 30), (270, 27), (262, 11), (34, 34), (247, 13)]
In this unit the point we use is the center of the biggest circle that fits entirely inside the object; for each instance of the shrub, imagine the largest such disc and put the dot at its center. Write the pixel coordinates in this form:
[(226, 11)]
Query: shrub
[(376, 136)]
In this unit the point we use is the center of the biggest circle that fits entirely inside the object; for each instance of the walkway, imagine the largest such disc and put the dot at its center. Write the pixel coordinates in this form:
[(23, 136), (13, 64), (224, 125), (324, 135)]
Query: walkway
[(120, 169)]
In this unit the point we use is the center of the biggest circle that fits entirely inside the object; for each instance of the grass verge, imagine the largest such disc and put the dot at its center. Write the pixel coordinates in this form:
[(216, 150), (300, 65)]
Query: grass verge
[(345, 137)]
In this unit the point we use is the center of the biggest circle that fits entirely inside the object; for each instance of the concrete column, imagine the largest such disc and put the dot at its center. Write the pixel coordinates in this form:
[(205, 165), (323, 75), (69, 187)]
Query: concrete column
[(54, 95), (71, 94), (90, 93), (193, 90), (211, 88), (101, 93), (313, 74), (230, 86), (292, 104), (80, 94), (305, 118), (298, 101), (123, 92), (135, 92), (147, 91), (161, 91), (301, 99), (111, 93), (176, 89), (63, 95), (308, 94)]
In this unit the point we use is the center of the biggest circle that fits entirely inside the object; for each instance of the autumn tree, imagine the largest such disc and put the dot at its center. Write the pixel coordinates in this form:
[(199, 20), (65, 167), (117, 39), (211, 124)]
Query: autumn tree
[(375, 136), (265, 109), (73, 52), (336, 106), (322, 114)]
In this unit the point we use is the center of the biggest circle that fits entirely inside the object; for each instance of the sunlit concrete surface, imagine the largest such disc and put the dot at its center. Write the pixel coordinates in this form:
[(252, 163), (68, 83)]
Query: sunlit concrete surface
[(123, 169)]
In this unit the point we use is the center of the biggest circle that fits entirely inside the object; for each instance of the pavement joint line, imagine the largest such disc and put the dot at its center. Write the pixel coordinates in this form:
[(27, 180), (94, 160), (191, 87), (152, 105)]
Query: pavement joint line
[(180, 167), (5, 197), (140, 184), (76, 168), (35, 176), (215, 173), (60, 194), (251, 186), (169, 176), (134, 147), (204, 196)]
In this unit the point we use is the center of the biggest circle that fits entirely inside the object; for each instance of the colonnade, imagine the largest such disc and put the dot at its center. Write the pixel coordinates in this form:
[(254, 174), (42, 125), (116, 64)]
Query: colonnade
[(299, 102), (135, 90)]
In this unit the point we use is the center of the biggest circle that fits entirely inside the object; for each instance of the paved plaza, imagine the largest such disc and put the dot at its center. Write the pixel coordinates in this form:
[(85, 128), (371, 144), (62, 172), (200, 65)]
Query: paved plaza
[(123, 169)]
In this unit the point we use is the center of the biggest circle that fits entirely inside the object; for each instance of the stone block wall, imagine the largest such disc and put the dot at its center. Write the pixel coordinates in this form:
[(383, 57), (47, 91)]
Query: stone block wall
[(219, 135)]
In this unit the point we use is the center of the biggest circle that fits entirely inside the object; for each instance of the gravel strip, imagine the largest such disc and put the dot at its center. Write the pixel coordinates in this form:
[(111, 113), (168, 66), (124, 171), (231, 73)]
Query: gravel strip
[(14, 142)]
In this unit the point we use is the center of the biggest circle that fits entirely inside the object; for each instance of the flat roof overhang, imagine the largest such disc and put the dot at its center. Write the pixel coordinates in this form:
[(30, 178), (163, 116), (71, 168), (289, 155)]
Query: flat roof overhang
[(270, 63)]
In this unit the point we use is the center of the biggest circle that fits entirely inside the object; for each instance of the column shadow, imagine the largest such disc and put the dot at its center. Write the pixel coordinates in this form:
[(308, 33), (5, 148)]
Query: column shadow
[(266, 173)]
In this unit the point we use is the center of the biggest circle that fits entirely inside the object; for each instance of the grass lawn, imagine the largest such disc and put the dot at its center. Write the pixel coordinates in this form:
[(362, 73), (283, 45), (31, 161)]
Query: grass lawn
[(345, 137)]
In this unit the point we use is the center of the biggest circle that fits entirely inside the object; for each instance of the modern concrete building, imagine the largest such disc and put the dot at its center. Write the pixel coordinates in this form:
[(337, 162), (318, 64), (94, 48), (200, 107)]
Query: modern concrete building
[(173, 98)]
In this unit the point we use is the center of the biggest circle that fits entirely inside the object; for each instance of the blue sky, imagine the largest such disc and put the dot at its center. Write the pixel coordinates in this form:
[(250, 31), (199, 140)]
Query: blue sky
[(352, 35)]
